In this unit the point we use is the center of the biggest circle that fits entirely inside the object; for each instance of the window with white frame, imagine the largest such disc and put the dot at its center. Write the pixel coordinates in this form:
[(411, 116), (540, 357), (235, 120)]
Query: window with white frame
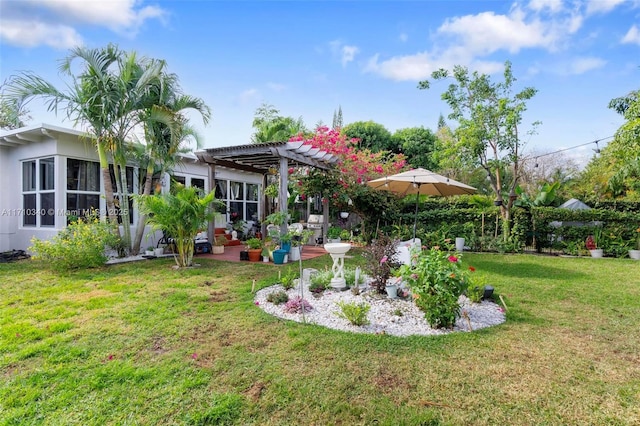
[(38, 192), (240, 197), (83, 187)]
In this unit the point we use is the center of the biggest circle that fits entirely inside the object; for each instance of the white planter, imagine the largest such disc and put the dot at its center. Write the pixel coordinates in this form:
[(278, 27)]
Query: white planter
[(597, 253), (159, 251), (344, 215), (294, 253), (149, 253), (634, 254), (265, 259), (218, 250), (392, 291), (460, 244)]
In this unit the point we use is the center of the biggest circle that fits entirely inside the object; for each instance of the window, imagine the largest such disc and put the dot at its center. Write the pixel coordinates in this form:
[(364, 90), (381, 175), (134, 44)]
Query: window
[(83, 187), (198, 183), (38, 192), (242, 198)]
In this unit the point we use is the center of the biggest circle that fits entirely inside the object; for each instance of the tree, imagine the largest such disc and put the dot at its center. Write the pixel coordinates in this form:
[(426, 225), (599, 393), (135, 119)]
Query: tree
[(488, 115), (270, 126), (615, 172), (107, 96), (181, 214), (165, 129), (417, 144), (337, 119), (12, 115), (370, 135)]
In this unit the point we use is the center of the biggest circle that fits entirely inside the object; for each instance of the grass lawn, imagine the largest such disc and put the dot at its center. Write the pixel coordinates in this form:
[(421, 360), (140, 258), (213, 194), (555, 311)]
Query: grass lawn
[(141, 343)]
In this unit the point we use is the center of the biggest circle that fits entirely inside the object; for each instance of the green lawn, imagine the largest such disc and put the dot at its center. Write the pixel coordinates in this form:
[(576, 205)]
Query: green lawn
[(141, 343)]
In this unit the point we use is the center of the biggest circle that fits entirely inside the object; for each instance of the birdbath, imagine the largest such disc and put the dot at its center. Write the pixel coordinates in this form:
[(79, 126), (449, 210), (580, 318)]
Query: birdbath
[(337, 252)]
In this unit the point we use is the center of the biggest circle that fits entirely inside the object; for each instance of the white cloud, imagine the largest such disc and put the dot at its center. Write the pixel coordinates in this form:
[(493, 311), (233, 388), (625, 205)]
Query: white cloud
[(249, 95), (344, 52), (466, 40), (579, 66), (602, 6), (276, 87), (553, 6), (55, 22), (56, 36), (632, 36)]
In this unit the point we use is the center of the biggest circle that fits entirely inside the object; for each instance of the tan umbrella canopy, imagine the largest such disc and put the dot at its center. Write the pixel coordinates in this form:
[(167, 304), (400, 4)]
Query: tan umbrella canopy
[(422, 182)]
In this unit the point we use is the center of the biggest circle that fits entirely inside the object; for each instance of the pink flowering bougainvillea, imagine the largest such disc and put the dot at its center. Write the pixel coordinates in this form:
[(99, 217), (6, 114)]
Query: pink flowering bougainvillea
[(354, 168)]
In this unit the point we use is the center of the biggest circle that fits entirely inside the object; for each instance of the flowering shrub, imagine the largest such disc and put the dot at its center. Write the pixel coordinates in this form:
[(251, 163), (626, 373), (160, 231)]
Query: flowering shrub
[(381, 257), (436, 280), (81, 244), (297, 305)]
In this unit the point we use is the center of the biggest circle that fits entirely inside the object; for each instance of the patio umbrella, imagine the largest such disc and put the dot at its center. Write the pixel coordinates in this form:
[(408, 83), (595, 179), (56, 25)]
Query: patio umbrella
[(421, 182)]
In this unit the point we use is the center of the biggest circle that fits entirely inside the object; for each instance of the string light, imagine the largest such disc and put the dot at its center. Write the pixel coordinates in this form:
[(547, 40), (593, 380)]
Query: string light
[(597, 150)]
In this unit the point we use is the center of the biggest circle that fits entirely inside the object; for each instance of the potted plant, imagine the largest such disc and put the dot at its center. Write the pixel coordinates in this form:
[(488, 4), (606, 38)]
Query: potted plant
[(254, 247), (592, 243), (218, 245), (298, 239), (333, 234), (150, 251), (285, 241)]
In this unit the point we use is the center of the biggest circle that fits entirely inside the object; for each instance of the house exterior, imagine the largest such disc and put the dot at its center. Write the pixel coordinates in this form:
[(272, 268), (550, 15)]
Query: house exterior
[(48, 173)]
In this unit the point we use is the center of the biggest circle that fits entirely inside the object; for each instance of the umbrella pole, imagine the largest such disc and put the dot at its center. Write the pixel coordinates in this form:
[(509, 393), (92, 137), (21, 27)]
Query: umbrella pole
[(415, 220)]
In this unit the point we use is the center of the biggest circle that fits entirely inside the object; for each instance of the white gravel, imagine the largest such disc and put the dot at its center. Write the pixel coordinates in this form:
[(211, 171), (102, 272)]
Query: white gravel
[(383, 313)]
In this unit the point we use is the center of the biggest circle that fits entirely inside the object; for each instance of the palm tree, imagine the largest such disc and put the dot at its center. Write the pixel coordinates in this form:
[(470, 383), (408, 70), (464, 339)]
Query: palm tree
[(165, 128), (107, 96)]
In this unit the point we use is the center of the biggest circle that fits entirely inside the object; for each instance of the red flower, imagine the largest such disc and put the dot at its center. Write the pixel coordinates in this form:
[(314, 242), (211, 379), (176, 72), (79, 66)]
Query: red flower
[(472, 269), (453, 259)]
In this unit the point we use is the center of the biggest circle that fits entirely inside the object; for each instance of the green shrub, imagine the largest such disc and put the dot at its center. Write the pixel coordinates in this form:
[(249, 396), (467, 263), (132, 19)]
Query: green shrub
[(287, 280), (81, 244), (355, 313), (278, 297), (437, 281), (320, 281)]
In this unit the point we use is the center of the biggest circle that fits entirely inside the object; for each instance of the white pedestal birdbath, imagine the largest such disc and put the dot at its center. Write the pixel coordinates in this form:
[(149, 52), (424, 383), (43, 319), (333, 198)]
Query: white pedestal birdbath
[(337, 252)]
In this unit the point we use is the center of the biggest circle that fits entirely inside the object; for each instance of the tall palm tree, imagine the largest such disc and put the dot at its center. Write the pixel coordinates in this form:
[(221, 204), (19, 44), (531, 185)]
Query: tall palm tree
[(106, 96), (166, 128)]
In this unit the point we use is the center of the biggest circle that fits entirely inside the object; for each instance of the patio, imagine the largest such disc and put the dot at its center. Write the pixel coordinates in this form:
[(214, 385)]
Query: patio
[(232, 253)]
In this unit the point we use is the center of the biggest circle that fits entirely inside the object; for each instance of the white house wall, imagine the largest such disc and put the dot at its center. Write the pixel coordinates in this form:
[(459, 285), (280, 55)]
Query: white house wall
[(61, 144)]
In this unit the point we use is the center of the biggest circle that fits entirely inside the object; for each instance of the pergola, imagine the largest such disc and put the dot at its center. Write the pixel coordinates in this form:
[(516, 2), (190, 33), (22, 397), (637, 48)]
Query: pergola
[(262, 159)]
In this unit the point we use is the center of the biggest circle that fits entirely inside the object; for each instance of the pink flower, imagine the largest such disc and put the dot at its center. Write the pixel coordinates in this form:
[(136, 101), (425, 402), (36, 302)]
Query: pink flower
[(194, 355), (384, 259), (257, 303), (453, 259), (110, 357), (414, 276)]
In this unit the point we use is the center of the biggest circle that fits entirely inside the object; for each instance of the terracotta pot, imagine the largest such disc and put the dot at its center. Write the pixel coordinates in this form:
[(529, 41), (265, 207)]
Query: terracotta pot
[(255, 255)]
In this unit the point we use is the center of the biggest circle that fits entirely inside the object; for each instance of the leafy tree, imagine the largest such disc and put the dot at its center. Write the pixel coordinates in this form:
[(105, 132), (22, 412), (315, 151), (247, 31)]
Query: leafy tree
[(181, 214), (489, 115), (417, 144), (371, 135), (108, 96), (12, 116), (270, 126), (165, 129)]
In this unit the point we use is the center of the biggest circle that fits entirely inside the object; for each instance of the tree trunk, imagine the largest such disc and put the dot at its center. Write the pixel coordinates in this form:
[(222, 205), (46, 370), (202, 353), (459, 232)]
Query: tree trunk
[(142, 219), (108, 188)]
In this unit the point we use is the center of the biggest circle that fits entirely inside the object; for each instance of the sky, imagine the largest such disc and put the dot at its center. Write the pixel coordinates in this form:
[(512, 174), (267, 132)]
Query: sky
[(308, 58)]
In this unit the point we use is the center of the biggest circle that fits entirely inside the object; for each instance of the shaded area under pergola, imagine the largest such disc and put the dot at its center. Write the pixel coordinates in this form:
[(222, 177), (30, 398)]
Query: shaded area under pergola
[(262, 159)]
